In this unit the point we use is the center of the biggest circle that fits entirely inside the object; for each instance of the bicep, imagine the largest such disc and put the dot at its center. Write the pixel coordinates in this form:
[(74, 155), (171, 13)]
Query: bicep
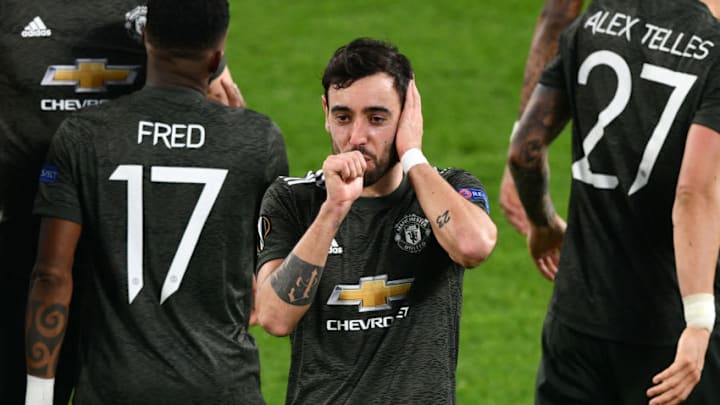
[(57, 243), (701, 161)]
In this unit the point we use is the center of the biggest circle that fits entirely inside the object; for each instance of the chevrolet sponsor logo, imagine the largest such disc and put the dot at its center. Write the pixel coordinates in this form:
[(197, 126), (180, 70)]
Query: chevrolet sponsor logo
[(357, 325), (372, 294), (90, 75)]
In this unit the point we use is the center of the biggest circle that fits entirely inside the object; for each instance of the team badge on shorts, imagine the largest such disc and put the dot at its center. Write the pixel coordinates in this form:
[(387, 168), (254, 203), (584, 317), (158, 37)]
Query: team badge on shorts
[(412, 232)]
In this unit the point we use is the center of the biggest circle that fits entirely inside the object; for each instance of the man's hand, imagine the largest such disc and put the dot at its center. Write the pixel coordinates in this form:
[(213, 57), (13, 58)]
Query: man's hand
[(674, 384), (544, 243), (511, 206), (410, 126), (344, 178), (224, 90)]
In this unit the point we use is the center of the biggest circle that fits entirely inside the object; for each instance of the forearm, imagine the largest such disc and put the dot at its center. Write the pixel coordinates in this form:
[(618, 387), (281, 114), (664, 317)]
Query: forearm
[(545, 118), (47, 317), (286, 292), (529, 168), (696, 225), (463, 229), (696, 236)]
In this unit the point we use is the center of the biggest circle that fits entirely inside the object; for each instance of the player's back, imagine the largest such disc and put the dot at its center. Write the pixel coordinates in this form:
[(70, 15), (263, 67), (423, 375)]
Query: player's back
[(638, 74), (170, 185)]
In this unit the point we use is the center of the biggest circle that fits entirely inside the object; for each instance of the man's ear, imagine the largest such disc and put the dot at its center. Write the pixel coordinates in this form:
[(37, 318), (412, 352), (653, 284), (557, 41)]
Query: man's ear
[(215, 61), (327, 111)]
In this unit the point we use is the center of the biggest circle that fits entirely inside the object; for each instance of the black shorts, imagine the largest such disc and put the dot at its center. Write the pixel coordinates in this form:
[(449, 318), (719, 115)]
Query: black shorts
[(576, 368)]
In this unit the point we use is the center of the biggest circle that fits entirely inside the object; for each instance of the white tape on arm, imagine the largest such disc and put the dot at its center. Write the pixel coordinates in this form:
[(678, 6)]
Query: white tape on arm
[(699, 311), (411, 158), (39, 391)]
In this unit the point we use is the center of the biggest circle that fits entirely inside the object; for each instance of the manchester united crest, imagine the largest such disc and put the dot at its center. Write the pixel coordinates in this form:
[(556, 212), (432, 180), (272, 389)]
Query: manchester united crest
[(412, 232)]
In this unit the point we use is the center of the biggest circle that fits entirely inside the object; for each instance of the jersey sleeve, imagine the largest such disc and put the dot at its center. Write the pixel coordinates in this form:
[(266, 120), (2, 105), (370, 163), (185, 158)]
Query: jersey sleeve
[(278, 227), (708, 112), (553, 75), (58, 191), (468, 186)]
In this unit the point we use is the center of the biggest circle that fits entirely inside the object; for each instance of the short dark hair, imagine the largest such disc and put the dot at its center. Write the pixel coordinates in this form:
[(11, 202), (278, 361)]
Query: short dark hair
[(365, 57), (186, 25)]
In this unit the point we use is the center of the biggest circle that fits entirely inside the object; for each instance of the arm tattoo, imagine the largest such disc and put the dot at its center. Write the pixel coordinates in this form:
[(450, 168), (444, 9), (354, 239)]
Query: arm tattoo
[(547, 115), (296, 281), (443, 219), (45, 330), (554, 18)]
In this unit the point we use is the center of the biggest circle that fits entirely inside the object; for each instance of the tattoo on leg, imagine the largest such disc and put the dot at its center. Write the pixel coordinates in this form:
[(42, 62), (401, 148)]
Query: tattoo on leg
[(45, 330), (443, 219), (296, 281)]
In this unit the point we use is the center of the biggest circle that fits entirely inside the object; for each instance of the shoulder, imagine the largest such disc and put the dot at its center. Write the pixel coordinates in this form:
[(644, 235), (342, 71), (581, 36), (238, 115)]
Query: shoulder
[(249, 122), (295, 196), (82, 125), (312, 183), (244, 115), (454, 175), (467, 185)]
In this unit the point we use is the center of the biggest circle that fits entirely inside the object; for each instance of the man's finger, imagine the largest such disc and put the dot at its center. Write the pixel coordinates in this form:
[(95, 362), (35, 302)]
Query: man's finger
[(234, 97)]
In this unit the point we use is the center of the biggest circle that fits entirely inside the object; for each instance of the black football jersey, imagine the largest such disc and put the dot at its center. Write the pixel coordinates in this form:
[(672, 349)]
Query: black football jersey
[(383, 328), (637, 74), (56, 59), (167, 186)]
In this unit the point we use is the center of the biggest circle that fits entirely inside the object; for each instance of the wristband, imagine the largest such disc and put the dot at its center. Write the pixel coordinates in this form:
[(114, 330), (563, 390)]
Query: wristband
[(699, 311), (39, 391), (514, 128), (412, 157)]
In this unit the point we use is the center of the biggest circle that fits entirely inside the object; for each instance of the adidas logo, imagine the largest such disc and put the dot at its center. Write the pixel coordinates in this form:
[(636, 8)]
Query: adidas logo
[(36, 28), (335, 249)]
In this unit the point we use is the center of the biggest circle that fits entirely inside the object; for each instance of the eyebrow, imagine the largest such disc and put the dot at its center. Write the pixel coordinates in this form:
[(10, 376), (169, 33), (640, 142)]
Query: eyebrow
[(366, 110)]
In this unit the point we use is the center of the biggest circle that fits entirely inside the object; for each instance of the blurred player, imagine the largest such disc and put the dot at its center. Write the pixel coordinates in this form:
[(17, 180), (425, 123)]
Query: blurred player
[(57, 57), (160, 191), (363, 262), (554, 17), (633, 308)]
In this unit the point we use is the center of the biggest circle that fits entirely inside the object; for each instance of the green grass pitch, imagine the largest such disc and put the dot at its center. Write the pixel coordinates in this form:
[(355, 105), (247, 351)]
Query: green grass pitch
[(469, 58)]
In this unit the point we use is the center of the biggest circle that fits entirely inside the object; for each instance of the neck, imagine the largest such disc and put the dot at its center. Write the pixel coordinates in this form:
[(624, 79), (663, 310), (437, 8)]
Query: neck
[(386, 185), (166, 69), (714, 7), (161, 74)]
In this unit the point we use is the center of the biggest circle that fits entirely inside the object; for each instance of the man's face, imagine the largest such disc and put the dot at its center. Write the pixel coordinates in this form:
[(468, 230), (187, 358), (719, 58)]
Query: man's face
[(364, 117)]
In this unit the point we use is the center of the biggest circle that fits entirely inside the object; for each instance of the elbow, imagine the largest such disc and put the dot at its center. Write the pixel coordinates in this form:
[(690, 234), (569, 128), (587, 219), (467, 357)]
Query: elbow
[(278, 329), (51, 275), (514, 158), (695, 200), (475, 249), (273, 322)]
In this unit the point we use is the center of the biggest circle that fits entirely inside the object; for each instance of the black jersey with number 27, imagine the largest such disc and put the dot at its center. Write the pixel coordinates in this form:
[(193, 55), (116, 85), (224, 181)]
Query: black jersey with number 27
[(637, 74)]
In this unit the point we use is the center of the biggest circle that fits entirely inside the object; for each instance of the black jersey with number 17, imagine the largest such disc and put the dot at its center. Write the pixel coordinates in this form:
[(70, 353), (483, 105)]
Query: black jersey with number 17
[(167, 186), (637, 73)]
